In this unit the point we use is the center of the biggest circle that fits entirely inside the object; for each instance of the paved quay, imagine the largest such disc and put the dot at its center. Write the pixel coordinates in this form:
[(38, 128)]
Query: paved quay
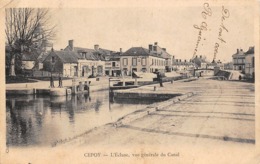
[(217, 122), (95, 85)]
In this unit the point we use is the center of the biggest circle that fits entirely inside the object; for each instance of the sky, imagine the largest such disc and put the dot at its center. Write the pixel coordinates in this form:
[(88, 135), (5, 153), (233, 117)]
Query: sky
[(172, 27)]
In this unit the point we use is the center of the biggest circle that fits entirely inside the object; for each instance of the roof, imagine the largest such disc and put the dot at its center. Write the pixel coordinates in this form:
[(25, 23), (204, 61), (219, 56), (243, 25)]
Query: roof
[(30, 56), (140, 51), (183, 63), (251, 50), (66, 56), (90, 54), (239, 53), (198, 61), (165, 54), (42, 56)]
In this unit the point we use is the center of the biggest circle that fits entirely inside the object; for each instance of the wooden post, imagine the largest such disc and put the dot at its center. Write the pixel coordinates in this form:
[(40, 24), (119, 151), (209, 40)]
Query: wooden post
[(135, 81)]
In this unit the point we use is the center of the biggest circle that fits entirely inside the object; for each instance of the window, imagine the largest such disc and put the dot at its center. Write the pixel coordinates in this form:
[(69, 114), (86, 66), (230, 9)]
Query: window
[(53, 59), (113, 64), (134, 61), (143, 61), (125, 61)]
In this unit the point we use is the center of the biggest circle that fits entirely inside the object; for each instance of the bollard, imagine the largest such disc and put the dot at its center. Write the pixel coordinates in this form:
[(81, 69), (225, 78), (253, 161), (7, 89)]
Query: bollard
[(135, 81), (154, 88)]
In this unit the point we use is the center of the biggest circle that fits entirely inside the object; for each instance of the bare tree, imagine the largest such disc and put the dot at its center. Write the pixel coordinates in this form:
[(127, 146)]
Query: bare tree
[(26, 29)]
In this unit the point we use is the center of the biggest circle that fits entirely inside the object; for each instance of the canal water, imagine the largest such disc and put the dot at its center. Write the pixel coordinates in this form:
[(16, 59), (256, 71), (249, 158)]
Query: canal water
[(42, 120)]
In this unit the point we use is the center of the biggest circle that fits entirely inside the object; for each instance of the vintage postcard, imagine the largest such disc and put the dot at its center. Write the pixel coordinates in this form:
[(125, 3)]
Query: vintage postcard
[(130, 81)]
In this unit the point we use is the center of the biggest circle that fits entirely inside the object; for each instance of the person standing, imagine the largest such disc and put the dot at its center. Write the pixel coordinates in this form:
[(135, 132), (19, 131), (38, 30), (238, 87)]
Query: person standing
[(51, 82), (159, 77), (60, 81)]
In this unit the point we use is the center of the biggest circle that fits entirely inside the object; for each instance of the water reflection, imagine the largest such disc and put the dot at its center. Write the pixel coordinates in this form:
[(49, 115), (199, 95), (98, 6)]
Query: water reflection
[(41, 120)]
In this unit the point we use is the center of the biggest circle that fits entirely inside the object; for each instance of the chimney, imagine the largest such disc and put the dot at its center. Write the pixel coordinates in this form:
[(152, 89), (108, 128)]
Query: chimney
[(241, 50), (96, 47), (155, 48), (185, 61), (150, 46), (155, 43), (71, 44), (164, 49), (120, 50), (237, 51), (190, 60), (200, 56), (196, 56), (179, 60)]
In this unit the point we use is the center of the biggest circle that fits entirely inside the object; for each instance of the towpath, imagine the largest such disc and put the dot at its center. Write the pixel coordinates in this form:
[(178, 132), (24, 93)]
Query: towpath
[(218, 122)]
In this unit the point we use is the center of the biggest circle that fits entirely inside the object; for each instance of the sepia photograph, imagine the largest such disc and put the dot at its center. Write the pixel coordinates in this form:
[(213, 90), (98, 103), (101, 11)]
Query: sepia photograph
[(131, 82)]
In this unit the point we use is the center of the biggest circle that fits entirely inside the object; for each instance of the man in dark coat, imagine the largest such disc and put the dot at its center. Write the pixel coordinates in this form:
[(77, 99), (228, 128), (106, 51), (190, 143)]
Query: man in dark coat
[(159, 77), (51, 82), (60, 81)]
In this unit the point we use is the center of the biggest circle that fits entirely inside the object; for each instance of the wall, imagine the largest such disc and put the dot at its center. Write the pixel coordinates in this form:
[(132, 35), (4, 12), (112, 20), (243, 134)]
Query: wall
[(28, 64), (249, 65), (151, 63), (110, 68), (157, 63), (89, 64), (57, 66)]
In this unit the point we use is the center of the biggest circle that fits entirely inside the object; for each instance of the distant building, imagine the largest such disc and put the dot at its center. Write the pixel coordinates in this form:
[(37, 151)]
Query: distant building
[(200, 62), (250, 61), (239, 60), (179, 65), (228, 66), (214, 64)]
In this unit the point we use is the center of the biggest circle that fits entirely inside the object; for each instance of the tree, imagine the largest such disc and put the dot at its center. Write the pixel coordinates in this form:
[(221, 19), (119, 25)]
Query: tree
[(26, 29)]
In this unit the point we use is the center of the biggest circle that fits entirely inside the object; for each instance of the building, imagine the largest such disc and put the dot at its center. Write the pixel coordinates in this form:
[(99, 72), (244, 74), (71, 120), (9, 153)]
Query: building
[(156, 49), (250, 62), (200, 62), (228, 66), (139, 59), (91, 61), (29, 60), (63, 62), (214, 64), (179, 65), (239, 60), (113, 65)]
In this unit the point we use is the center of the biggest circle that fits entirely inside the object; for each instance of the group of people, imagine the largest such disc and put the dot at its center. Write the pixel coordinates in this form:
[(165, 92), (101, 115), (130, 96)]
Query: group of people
[(52, 82)]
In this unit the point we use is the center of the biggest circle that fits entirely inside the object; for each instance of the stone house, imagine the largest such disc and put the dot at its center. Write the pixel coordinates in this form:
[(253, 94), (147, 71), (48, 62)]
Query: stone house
[(250, 62), (113, 65), (239, 60), (91, 61), (63, 62), (185, 65), (139, 59), (156, 49)]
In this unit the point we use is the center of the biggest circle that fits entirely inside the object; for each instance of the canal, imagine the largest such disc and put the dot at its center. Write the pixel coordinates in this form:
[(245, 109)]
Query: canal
[(42, 120)]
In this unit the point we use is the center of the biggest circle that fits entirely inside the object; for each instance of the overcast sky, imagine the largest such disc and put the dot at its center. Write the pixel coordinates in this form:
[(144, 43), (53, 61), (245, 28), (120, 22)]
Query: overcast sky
[(172, 27)]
